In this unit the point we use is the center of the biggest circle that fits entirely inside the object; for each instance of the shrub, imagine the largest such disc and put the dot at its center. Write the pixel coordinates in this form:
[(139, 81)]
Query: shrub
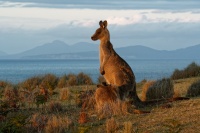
[(71, 80), (83, 79), (58, 124), (40, 99), (3, 84), (14, 123), (160, 89), (55, 107), (192, 70), (11, 96), (49, 82), (37, 122), (62, 82), (64, 94), (86, 100), (145, 88), (194, 89), (31, 83)]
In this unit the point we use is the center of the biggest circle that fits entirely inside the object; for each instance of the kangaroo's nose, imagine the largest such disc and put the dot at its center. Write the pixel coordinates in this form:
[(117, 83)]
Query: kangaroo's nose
[(92, 37)]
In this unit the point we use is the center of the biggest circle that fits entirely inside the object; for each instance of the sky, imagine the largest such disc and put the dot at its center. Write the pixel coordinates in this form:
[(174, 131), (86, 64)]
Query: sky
[(158, 24)]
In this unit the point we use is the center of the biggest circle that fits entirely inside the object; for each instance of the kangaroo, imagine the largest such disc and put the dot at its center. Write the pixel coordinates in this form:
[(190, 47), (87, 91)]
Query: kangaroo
[(115, 70), (105, 94)]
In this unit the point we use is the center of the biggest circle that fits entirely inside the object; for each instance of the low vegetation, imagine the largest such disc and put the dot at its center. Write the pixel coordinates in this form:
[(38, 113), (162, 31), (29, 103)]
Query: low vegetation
[(192, 70), (160, 89), (66, 104)]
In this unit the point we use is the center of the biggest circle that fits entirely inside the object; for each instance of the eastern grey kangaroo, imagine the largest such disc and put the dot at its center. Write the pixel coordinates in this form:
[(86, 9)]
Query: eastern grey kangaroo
[(115, 70)]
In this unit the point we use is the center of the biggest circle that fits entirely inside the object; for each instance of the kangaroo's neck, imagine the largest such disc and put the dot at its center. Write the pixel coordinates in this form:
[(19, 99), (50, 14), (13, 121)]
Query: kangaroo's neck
[(106, 37), (104, 42)]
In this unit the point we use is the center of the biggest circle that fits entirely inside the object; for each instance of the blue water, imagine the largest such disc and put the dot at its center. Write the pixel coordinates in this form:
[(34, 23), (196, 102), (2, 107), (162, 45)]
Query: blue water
[(18, 70)]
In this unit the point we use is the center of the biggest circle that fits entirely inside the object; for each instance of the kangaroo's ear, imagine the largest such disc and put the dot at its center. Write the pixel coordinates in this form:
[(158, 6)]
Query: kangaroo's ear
[(105, 23), (101, 24)]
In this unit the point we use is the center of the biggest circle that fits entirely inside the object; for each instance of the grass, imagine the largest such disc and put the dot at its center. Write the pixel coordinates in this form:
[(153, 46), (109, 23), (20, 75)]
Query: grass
[(61, 113)]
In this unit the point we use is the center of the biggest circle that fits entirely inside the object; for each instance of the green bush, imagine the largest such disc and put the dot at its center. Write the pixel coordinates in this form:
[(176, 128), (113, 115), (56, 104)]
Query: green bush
[(40, 99), (194, 89), (55, 107), (71, 80), (62, 82), (192, 70), (84, 79), (49, 82), (14, 123), (160, 89), (31, 83), (10, 96)]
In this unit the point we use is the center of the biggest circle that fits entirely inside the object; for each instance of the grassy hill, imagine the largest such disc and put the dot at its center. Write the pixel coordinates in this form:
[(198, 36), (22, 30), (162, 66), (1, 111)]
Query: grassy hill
[(62, 113)]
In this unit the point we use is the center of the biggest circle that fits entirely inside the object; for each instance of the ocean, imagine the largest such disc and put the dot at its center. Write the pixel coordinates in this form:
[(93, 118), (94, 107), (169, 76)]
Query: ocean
[(16, 71)]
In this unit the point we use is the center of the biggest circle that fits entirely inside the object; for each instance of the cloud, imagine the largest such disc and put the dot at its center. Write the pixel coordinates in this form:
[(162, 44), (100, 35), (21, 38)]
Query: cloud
[(138, 18), (115, 4), (15, 4), (44, 18)]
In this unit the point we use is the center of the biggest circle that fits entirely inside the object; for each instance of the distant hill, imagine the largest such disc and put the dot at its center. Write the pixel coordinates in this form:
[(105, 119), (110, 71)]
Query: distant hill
[(83, 50), (56, 47), (142, 52)]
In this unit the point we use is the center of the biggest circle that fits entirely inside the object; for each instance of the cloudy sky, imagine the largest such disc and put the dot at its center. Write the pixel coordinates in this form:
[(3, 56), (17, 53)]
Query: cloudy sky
[(159, 24)]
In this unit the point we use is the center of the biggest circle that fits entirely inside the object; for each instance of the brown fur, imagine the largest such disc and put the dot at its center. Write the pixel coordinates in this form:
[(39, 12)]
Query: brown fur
[(115, 70), (117, 73), (105, 94)]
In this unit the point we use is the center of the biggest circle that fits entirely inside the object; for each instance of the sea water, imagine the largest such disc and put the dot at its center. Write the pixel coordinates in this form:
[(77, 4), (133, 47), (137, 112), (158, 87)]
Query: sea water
[(16, 71)]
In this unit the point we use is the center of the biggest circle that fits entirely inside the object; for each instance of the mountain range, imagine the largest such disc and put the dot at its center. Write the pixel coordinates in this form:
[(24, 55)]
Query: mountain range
[(83, 50)]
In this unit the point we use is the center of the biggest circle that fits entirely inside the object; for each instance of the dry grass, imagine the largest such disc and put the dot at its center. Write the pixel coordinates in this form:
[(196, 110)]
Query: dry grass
[(128, 128), (55, 107), (115, 108), (145, 88), (111, 125), (37, 122), (194, 89), (181, 86), (58, 124), (64, 94), (181, 117)]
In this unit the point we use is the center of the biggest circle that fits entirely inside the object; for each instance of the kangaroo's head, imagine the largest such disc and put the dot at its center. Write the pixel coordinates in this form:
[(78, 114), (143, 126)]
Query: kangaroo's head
[(101, 33)]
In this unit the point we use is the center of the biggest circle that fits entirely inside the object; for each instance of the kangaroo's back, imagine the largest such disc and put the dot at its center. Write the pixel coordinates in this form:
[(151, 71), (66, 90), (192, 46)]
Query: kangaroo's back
[(117, 70)]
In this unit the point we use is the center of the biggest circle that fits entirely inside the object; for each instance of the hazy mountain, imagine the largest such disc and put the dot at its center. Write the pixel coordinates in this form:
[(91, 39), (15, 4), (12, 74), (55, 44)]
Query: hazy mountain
[(79, 55), (142, 52), (84, 50), (192, 52), (56, 47)]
